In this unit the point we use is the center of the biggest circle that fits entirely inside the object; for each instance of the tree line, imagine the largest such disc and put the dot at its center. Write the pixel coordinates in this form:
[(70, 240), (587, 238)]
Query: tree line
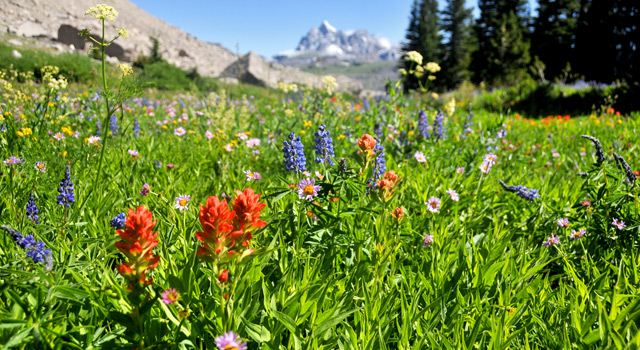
[(567, 40)]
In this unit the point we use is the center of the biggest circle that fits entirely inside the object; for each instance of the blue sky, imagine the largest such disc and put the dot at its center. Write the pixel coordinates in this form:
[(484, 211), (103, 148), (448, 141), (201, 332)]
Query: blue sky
[(272, 26)]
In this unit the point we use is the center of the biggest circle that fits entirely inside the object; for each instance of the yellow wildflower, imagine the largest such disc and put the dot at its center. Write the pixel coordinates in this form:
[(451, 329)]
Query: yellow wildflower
[(103, 12)]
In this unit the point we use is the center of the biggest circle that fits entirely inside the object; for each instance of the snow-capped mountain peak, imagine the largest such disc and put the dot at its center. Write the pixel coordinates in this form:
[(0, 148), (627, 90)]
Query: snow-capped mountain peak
[(326, 40)]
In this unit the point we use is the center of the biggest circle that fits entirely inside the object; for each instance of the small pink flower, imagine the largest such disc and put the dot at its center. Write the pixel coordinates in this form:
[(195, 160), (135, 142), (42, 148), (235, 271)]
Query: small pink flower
[(170, 296)]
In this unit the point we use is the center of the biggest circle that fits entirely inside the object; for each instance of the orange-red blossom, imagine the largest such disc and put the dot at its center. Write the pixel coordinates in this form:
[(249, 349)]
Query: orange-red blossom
[(225, 231), (367, 143), (137, 246)]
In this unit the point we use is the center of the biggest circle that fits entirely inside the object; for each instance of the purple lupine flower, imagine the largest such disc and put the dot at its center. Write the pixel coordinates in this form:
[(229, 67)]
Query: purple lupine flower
[(113, 125), (438, 126), (66, 196), (551, 241), (36, 250), (423, 125), (118, 222), (32, 210), (136, 128), (324, 146), (293, 153)]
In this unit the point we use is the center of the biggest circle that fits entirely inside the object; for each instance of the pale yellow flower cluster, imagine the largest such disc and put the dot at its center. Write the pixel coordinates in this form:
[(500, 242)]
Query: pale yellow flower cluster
[(48, 75), (450, 107), (126, 69), (432, 67), (57, 84), (287, 87), (123, 32), (103, 12), (329, 83), (414, 56)]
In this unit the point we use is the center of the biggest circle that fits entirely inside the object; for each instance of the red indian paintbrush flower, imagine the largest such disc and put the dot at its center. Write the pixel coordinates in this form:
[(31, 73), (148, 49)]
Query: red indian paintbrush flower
[(225, 231), (137, 246)]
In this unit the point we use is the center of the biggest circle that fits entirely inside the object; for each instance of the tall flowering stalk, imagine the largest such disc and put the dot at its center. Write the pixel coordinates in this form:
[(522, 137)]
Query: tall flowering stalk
[(228, 231), (528, 194), (423, 125), (438, 126), (324, 146), (35, 250), (137, 245), (293, 153), (66, 196), (32, 210)]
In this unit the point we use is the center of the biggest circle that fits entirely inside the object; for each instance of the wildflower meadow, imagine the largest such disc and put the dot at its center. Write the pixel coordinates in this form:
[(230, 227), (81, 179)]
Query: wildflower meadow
[(314, 220)]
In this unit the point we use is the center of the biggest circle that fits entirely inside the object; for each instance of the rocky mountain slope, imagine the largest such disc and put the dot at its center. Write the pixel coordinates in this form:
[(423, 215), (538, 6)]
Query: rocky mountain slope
[(57, 24)]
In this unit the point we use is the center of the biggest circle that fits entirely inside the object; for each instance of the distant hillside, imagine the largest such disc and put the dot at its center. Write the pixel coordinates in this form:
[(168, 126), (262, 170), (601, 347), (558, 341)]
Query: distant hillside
[(56, 24)]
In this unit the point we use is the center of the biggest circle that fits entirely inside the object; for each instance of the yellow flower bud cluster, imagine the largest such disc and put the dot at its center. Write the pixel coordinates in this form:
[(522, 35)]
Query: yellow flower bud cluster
[(329, 83), (103, 12), (414, 56), (287, 87), (126, 69)]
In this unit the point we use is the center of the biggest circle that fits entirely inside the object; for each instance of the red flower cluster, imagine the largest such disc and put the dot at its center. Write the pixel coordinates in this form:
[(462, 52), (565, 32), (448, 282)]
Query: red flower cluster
[(224, 231), (137, 246)]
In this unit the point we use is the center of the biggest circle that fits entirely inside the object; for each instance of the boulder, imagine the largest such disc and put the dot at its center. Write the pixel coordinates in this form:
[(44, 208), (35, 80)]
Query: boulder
[(32, 29), (69, 35), (16, 54)]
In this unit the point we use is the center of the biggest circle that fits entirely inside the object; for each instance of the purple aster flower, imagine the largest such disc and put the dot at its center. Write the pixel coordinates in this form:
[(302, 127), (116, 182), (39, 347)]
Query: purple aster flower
[(134, 153), (179, 131), (619, 224), (307, 189), (453, 195), (145, 190), (230, 341), (170, 296), (420, 157), (551, 241), (41, 166), (427, 241), (563, 222), (170, 166), (13, 160), (182, 202), (433, 204), (577, 235)]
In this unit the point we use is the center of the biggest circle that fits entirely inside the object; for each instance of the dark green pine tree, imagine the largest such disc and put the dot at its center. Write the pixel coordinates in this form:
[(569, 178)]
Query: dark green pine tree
[(595, 41), (502, 55), (422, 36), (456, 22), (552, 41)]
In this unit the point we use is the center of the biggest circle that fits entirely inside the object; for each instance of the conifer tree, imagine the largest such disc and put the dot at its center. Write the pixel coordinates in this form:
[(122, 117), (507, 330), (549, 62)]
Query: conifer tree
[(422, 36), (502, 55), (456, 22), (554, 33)]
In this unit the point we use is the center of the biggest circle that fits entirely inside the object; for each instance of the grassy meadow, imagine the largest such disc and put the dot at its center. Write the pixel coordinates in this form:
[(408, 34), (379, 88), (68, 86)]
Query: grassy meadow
[(310, 220)]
